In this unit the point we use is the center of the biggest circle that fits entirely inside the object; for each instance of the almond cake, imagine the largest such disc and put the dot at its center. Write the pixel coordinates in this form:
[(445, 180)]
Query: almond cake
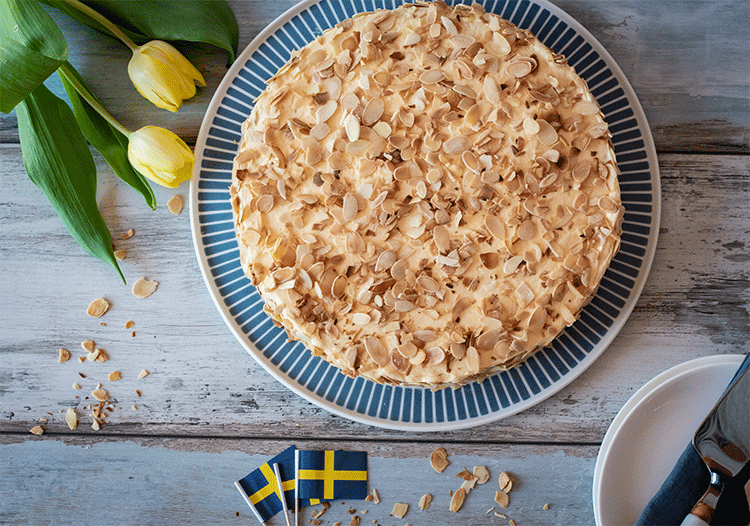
[(427, 195)]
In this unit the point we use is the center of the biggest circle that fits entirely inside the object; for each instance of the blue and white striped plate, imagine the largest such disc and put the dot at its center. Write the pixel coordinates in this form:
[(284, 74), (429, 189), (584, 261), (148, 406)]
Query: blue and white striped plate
[(407, 408)]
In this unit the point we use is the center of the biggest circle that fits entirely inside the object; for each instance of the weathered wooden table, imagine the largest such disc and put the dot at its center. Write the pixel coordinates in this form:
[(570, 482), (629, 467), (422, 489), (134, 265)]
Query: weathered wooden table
[(208, 414)]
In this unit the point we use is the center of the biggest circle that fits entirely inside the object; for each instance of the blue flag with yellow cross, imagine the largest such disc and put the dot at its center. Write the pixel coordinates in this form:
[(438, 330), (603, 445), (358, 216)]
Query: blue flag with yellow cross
[(331, 475), (260, 488)]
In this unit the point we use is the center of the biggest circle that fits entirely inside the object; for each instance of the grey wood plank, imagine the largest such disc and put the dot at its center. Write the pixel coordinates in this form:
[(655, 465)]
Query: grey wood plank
[(203, 383), (686, 60), (61, 481)]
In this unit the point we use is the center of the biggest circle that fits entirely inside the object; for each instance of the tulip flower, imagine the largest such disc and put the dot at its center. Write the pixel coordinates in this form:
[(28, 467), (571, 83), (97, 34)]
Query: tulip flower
[(160, 155), (159, 72), (163, 75)]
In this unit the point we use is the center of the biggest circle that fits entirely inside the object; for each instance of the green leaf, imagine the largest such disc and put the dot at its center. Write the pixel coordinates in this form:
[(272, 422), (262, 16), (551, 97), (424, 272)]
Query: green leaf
[(206, 21), (109, 141), (58, 160), (32, 47)]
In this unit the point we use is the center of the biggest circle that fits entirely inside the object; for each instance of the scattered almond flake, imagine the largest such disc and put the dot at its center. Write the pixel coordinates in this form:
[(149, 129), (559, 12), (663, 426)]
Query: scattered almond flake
[(98, 308), (120, 254), (95, 425), (135, 407), (127, 235), (354, 521), (37, 430), (129, 324), (132, 334), (93, 355), (101, 394), (144, 287), (458, 500), (102, 356), (43, 419), (81, 375), (469, 484), (175, 204), (71, 417), (81, 359), (506, 481), (76, 386), (400, 509), (425, 501), (546, 506), (439, 459), (369, 498), (482, 474), (501, 515), (63, 355), (99, 385), (512, 522), (114, 376), (143, 374), (375, 496), (502, 499), (137, 392), (464, 475), (490, 511), (88, 345)]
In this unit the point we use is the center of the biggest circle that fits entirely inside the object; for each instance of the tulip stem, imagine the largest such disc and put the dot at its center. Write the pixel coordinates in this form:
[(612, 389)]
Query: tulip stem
[(67, 70), (103, 21)]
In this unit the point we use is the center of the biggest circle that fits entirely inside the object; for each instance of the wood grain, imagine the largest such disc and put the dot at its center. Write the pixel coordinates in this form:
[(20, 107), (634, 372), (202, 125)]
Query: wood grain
[(158, 481), (686, 60)]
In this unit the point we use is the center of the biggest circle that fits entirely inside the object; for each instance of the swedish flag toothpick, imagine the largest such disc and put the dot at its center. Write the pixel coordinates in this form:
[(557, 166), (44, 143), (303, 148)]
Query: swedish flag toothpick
[(331, 475)]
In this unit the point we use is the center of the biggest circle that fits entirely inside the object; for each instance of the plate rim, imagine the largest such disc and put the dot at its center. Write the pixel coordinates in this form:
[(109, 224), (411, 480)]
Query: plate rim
[(653, 386), (469, 422)]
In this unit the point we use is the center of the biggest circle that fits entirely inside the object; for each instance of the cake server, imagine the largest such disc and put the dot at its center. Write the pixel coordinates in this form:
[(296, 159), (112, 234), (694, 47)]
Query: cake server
[(723, 442)]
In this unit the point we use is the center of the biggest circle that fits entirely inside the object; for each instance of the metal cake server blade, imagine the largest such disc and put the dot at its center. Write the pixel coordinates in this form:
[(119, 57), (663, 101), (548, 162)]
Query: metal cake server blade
[(723, 442)]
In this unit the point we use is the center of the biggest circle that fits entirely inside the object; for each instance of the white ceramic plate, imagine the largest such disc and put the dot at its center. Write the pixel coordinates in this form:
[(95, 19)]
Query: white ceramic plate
[(407, 408), (651, 431)]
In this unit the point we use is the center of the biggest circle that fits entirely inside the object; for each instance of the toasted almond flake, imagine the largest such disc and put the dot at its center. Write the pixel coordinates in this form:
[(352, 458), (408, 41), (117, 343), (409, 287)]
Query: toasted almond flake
[(88, 345), (399, 510), (37, 430), (95, 425), (506, 481), (120, 254), (458, 500), (114, 376), (320, 131), (76, 386), (456, 145), (424, 501), (546, 506), (357, 147), (495, 227), (93, 355), (585, 107), (129, 324), (71, 418), (411, 38), (527, 230), (449, 26), (326, 111), (351, 207), (100, 394), (175, 204), (431, 76), (102, 355), (491, 90), (143, 374), (531, 126), (372, 112), (502, 499), (63, 355), (127, 235), (439, 459), (375, 496), (143, 288), (482, 474), (383, 129), (352, 127), (98, 308)]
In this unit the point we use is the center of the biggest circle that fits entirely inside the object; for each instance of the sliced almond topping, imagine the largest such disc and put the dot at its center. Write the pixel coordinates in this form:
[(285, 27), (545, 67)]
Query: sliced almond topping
[(37, 430), (376, 350), (456, 145), (351, 207), (120, 254), (326, 111), (63, 355), (114, 376), (175, 204), (439, 459), (495, 227), (373, 111), (424, 501), (143, 288), (88, 345), (351, 125), (98, 308)]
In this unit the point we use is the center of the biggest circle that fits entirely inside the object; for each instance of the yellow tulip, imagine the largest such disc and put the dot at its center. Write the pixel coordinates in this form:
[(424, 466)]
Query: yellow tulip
[(161, 156), (163, 75)]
